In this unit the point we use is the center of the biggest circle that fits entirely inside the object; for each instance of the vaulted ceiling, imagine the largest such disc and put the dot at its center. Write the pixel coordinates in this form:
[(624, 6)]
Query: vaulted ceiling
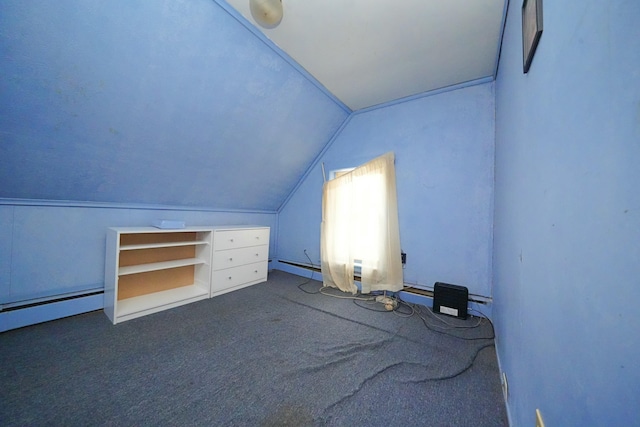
[(187, 103), (369, 52), (151, 102)]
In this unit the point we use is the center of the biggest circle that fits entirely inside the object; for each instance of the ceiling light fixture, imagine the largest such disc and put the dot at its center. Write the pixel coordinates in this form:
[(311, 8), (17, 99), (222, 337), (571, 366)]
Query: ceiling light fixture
[(267, 13)]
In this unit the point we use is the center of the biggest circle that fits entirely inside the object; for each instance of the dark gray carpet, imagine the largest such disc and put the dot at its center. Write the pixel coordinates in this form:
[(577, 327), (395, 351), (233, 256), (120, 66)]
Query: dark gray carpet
[(267, 355)]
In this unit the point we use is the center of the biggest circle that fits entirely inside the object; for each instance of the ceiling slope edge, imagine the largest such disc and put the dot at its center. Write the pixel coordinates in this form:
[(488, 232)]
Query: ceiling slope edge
[(315, 161), (476, 82), (505, 12), (257, 33)]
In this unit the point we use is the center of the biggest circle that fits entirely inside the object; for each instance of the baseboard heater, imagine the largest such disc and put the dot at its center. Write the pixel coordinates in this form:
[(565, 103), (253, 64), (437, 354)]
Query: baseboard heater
[(429, 294), (315, 268), (51, 300), (24, 313), (297, 264)]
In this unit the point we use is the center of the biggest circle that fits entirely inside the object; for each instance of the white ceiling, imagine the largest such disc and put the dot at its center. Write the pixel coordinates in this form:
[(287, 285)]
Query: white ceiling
[(368, 52)]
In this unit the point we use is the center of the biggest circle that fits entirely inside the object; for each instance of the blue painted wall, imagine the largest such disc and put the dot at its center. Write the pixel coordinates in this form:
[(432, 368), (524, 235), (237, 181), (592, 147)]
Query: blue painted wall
[(444, 147), (50, 250), (177, 103), (156, 102), (567, 216), (152, 109)]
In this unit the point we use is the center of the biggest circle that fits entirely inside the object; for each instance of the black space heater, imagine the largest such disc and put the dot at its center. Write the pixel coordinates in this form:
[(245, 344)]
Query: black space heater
[(450, 300)]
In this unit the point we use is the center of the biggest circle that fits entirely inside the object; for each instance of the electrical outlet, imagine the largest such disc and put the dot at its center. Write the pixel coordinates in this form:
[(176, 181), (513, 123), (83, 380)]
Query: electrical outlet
[(539, 422)]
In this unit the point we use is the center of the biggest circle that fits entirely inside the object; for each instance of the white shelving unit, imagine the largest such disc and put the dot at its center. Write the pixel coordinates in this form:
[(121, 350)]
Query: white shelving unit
[(149, 270)]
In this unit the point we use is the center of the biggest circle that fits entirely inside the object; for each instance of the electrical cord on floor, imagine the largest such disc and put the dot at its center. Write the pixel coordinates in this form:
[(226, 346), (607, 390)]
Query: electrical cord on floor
[(415, 309), (355, 297), (456, 374), (397, 307), (310, 278), (398, 312), (379, 310), (433, 328), (323, 289)]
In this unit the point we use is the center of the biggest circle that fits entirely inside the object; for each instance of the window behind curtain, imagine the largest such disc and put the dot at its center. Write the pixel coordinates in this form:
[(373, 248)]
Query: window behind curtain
[(360, 223)]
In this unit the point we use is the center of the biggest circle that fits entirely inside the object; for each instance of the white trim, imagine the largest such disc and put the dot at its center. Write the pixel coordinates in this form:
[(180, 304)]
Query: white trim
[(433, 92), (44, 299), (43, 313), (111, 205)]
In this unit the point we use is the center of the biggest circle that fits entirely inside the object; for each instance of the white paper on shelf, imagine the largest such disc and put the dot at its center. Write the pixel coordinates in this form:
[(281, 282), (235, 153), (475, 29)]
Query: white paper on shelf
[(168, 223)]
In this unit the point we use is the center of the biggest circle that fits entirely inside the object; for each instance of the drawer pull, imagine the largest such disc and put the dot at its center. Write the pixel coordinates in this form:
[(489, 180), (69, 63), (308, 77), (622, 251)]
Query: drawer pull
[(229, 277), (231, 240), (230, 259), (255, 271), (258, 237), (257, 255)]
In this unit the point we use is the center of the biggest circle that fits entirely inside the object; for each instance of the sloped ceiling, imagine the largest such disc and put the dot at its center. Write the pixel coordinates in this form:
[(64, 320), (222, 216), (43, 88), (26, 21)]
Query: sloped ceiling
[(152, 102), (369, 52), (186, 103)]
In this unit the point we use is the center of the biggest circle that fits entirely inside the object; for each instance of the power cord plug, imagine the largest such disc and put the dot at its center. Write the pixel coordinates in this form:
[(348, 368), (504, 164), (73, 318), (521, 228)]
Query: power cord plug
[(389, 303)]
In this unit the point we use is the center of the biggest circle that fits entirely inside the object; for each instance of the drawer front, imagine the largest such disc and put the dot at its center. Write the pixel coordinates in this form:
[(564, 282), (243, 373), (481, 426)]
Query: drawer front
[(233, 239), (237, 257), (224, 279)]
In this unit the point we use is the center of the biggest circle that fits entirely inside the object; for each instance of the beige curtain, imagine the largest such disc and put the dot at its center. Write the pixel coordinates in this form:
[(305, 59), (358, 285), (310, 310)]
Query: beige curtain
[(360, 224)]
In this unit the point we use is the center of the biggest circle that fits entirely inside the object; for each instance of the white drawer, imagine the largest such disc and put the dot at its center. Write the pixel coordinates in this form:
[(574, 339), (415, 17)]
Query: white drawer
[(236, 257), (230, 277), (232, 239)]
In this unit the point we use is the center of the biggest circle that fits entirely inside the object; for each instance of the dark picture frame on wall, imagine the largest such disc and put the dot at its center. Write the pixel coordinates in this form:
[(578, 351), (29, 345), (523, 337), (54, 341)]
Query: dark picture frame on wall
[(531, 30)]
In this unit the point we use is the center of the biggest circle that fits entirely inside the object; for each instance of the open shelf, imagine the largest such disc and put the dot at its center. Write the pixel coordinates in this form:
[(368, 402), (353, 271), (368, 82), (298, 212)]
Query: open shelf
[(154, 266), (161, 245), (149, 270), (158, 300)]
